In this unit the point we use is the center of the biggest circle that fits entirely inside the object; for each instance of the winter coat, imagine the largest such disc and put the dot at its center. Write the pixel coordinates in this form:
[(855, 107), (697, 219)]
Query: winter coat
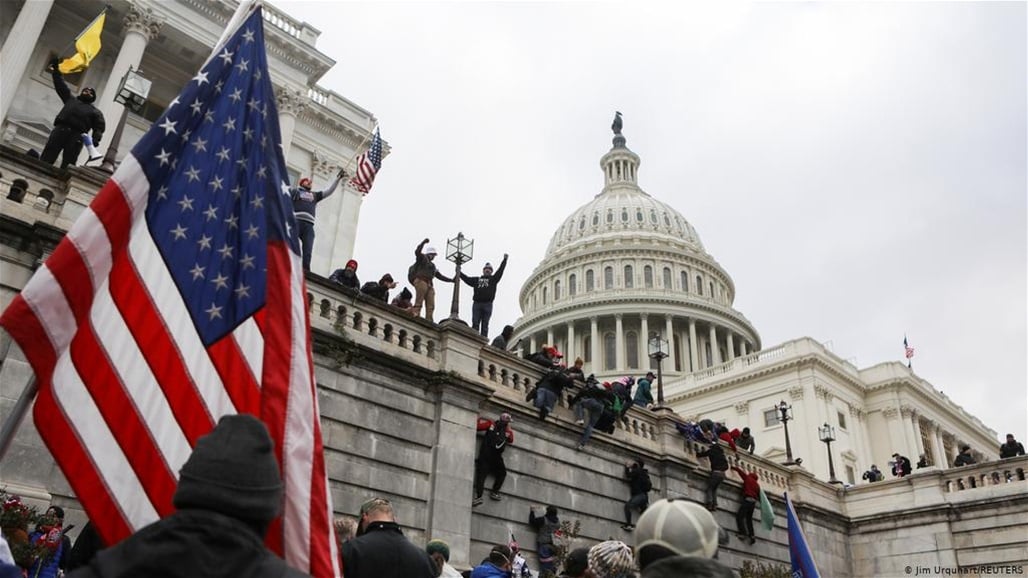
[(716, 455), (186, 544), (403, 299), (555, 381), (383, 552), (346, 278), (500, 342), (643, 396), (488, 570), (637, 477), (750, 485), (691, 566), (545, 526), (305, 201), (425, 269), (1010, 450), (485, 285), (376, 290), (48, 566), (746, 442), (494, 440), (77, 114), (962, 460), (540, 358)]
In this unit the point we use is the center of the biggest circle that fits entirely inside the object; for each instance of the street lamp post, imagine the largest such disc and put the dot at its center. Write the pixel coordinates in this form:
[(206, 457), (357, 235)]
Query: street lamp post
[(658, 349), (458, 250), (132, 93), (827, 434), (785, 417)]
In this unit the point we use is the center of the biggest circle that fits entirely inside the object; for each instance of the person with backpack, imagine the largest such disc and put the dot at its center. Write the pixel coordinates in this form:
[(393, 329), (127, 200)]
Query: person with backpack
[(484, 295), (379, 289), (546, 527), (421, 274), (623, 392), (639, 486)]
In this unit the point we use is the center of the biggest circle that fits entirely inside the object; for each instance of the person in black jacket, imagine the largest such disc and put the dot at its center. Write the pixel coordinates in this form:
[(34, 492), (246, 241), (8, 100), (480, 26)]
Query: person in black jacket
[(718, 467), (77, 117), (347, 276), (964, 458), (639, 486), (495, 437), (484, 295), (1011, 449), (588, 406), (380, 549), (228, 493), (379, 289)]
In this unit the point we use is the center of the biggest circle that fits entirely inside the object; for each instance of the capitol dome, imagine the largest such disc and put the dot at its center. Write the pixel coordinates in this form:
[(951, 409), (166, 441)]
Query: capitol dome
[(624, 268)]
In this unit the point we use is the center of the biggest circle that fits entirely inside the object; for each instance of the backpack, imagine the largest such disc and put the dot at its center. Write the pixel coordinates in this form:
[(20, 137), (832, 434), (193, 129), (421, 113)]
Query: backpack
[(410, 272), (647, 484)]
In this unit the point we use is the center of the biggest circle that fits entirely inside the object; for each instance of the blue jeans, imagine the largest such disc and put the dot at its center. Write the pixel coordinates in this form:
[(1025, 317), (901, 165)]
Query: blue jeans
[(715, 479), (594, 408), (306, 233), (480, 314), (545, 399)]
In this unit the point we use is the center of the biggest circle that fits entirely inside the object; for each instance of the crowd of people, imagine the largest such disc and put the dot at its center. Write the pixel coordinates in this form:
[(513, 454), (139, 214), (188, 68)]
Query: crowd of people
[(900, 464)]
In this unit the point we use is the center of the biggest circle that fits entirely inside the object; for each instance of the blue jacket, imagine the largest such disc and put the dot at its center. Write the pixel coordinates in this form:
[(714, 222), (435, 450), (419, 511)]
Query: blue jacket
[(488, 570)]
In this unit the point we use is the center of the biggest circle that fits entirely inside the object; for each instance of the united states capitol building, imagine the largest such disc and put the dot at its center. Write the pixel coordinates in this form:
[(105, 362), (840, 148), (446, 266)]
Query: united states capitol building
[(399, 396), (625, 268)]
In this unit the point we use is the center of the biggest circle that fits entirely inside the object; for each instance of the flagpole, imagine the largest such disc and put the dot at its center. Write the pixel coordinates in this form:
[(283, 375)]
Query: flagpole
[(356, 151), (13, 421)]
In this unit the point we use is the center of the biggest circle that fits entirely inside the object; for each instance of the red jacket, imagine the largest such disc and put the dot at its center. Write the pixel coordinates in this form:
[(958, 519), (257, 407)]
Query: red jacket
[(750, 485)]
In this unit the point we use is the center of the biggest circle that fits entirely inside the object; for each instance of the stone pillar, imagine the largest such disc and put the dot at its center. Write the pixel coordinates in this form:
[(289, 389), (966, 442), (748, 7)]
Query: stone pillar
[(644, 330), (570, 346), (141, 26), (449, 505), (619, 343), (940, 449), (594, 346), (291, 103), (693, 359), (915, 425), (897, 432), (549, 337), (715, 355), (742, 348), (669, 330), (730, 346), (906, 412), (18, 48), (532, 345)]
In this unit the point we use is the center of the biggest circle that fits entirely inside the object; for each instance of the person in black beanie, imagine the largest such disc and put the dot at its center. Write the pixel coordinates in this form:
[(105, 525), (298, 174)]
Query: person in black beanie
[(78, 116), (380, 549), (229, 492)]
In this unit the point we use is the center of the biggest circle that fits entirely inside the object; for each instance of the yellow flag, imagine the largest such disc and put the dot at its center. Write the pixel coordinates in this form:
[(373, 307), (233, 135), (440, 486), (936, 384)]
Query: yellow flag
[(87, 45)]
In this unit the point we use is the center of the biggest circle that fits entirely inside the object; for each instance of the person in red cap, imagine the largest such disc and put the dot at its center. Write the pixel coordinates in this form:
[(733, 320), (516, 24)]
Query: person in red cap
[(347, 276), (305, 202), (495, 437)]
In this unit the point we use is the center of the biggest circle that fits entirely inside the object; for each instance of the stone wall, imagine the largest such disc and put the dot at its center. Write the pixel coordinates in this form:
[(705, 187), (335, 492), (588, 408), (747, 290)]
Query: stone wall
[(399, 400)]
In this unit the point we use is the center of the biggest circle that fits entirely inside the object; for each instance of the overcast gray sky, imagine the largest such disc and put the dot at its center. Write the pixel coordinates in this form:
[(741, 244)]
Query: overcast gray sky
[(859, 169)]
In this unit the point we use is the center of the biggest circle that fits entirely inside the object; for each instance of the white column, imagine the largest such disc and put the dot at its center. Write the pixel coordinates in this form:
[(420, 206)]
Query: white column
[(291, 103), (693, 359), (532, 345), (595, 364), (17, 49), (916, 429), (908, 434), (644, 329), (715, 355), (141, 26), (941, 460), (549, 336), (619, 343), (730, 345), (570, 347), (742, 348), (669, 331)]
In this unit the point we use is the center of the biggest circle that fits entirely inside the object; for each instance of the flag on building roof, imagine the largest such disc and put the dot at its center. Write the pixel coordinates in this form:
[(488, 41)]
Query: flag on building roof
[(799, 551), (368, 165), (87, 46), (178, 297), (907, 350)]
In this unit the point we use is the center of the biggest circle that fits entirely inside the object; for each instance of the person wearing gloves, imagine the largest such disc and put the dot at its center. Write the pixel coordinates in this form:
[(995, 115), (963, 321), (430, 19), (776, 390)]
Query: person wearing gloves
[(421, 274), (78, 116)]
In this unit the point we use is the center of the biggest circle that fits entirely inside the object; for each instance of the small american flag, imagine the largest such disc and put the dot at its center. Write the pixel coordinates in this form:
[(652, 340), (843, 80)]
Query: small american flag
[(368, 165), (177, 298), (908, 350)]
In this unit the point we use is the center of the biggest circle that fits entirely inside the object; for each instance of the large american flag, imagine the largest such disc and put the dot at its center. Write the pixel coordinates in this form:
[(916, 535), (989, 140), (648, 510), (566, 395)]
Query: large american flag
[(176, 298), (368, 165)]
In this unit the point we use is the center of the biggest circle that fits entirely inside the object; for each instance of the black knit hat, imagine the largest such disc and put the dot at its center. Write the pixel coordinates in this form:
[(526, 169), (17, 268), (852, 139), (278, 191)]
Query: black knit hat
[(233, 470)]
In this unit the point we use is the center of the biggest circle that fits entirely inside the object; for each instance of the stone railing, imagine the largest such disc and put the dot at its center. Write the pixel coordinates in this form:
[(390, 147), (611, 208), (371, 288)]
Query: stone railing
[(282, 21), (983, 475), (318, 95)]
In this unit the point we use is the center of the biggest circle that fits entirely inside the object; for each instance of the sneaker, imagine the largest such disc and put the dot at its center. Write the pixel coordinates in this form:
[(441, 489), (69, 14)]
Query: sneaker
[(627, 527), (580, 447), (476, 502), (580, 422), (752, 540), (495, 496)]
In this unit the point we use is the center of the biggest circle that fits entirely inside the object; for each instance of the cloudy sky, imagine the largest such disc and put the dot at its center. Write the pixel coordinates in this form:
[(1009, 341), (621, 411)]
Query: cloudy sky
[(859, 169)]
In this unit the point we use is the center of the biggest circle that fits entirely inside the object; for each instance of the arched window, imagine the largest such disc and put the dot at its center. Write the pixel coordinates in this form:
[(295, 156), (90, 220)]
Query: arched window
[(648, 276), (711, 289), (653, 216), (685, 282), (629, 281), (590, 281), (639, 215), (667, 278), (596, 218), (610, 215), (545, 293), (572, 285), (667, 221), (624, 215), (632, 349), (581, 223), (609, 351), (587, 348), (699, 285), (608, 278), (556, 290)]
